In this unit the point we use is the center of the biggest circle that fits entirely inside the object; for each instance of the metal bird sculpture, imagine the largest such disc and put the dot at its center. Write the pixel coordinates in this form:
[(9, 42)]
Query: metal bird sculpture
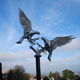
[(51, 45), (28, 31)]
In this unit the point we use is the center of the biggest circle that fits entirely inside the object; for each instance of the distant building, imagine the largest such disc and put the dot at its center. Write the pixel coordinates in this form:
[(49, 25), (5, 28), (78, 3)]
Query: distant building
[(1, 77)]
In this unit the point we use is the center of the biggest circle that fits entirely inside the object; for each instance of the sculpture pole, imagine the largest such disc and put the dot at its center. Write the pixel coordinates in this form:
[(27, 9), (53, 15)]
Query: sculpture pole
[(38, 69)]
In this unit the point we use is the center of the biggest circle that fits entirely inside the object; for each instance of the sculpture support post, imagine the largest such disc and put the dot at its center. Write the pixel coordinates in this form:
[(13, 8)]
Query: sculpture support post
[(38, 69)]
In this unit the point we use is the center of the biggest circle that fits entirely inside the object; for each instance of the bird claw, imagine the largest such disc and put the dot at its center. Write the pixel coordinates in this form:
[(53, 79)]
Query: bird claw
[(49, 59)]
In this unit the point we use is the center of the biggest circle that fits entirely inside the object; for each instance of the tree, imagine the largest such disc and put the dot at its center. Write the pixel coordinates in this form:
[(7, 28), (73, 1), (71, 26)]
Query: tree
[(56, 76), (18, 73), (19, 68), (68, 75), (10, 74), (45, 78), (28, 76), (50, 75), (77, 77)]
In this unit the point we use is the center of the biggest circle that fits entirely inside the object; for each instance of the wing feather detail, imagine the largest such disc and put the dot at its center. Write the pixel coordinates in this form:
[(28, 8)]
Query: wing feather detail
[(60, 41), (25, 22)]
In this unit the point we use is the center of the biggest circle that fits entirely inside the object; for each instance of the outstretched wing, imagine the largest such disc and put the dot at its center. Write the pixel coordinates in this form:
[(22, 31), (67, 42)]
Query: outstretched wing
[(46, 41), (60, 41), (25, 22)]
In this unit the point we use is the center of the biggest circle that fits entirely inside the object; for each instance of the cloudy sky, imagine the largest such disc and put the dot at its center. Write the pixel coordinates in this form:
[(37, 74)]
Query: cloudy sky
[(52, 18)]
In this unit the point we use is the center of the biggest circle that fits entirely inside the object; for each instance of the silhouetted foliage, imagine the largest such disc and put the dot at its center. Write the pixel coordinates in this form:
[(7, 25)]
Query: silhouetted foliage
[(56, 76), (50, 75), (10, 75), (77, 77), (28, 76), (45, 78), (68, 74), (18, 73)]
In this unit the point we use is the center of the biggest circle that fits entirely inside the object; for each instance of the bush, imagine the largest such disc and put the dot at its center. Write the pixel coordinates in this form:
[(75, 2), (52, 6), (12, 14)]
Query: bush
[(68, 74), (18, 73)]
